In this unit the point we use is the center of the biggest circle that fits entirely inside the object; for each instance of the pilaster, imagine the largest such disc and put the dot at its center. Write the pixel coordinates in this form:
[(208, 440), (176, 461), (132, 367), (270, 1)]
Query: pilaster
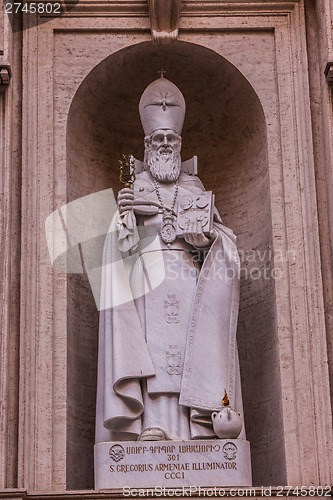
[(10, 158), (319, 18)]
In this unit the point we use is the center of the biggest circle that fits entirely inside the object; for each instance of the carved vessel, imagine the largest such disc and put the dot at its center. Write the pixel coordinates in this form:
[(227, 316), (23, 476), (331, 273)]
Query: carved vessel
[(227, 423)]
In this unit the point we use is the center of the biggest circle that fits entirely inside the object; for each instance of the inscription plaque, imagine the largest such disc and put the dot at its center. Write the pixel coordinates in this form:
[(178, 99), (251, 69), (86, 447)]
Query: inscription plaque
[(218, 462)]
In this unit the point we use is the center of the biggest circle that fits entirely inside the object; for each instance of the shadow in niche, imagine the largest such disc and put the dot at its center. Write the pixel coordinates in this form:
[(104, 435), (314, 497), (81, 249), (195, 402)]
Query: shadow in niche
[(225, 126)]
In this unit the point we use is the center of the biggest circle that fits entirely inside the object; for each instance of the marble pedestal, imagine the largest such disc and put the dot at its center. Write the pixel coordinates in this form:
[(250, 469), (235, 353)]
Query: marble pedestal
[(218, 462)]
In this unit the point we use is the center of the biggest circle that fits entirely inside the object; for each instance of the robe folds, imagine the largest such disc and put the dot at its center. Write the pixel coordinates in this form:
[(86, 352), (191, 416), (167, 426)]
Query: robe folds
[(126, 362)]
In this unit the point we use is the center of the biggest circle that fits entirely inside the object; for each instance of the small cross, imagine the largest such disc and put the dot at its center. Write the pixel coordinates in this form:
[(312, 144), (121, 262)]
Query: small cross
[(161, 72)]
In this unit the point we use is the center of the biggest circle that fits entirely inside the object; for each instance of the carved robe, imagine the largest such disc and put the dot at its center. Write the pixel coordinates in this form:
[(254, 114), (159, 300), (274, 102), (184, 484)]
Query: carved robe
[(166, 347)]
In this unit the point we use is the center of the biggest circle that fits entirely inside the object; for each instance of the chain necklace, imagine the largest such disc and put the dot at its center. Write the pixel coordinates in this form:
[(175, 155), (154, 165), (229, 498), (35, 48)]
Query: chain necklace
[(168, 230)]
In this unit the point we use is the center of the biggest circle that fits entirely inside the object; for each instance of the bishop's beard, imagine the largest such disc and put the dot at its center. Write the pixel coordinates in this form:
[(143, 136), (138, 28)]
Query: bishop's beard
[(164, 167)]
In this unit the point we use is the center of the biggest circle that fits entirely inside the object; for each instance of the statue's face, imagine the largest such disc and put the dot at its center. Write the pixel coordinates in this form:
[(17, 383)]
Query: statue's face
[(162, 155), (165, 141)]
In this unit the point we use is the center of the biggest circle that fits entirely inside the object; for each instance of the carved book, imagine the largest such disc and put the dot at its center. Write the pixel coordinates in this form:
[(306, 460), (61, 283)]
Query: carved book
[(195, 209)]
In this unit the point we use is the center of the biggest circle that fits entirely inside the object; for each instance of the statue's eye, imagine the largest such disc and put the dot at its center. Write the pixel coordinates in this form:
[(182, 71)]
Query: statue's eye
[(158, 138), (171, 138)]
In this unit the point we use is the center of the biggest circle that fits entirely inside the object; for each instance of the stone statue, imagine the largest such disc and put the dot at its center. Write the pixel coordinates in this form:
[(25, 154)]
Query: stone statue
[(166, 355)]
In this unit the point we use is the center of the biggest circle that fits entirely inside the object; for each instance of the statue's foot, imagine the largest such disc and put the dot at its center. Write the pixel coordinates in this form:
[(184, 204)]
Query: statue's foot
[(152, 434)]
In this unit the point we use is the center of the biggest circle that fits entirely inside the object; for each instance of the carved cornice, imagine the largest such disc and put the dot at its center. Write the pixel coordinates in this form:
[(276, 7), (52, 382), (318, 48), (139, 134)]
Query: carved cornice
[(169, 17), (213, 7), (164, 19), (114, 8)]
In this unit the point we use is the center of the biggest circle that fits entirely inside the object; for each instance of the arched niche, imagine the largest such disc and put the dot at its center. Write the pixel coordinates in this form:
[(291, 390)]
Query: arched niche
[(225, 127)]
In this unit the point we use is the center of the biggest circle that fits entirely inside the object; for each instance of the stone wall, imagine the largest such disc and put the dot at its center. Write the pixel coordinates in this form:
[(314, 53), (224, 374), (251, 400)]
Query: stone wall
[(260, 120)]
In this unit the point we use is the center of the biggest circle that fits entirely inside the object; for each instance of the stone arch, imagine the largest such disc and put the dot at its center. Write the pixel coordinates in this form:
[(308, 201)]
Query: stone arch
[(225, 127)]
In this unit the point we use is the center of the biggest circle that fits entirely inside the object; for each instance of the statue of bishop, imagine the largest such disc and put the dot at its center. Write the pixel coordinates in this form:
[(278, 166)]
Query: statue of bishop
[(167, 354)]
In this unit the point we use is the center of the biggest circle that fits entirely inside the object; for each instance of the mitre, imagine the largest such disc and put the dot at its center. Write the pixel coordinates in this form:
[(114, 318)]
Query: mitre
[(162, 106)]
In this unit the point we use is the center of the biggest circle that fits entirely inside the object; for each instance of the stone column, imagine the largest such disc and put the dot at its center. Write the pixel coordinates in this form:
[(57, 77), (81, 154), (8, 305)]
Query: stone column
[(10, 164), (319, 19)]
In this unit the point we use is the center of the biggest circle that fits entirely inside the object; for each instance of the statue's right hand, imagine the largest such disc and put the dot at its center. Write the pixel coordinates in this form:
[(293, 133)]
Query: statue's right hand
[(125, 200)]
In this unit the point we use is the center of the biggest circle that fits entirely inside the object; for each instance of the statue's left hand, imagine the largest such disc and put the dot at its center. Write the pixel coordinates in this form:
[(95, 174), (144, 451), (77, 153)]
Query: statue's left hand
[(195, 236)]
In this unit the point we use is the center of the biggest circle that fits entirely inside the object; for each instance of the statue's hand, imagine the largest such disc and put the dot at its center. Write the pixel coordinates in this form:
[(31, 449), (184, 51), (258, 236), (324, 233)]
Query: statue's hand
[(125, 200), (195, 236)]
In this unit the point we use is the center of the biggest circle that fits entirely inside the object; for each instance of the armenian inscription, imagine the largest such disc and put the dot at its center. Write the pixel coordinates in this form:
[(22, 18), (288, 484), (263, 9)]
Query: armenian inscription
[(173, 464)]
